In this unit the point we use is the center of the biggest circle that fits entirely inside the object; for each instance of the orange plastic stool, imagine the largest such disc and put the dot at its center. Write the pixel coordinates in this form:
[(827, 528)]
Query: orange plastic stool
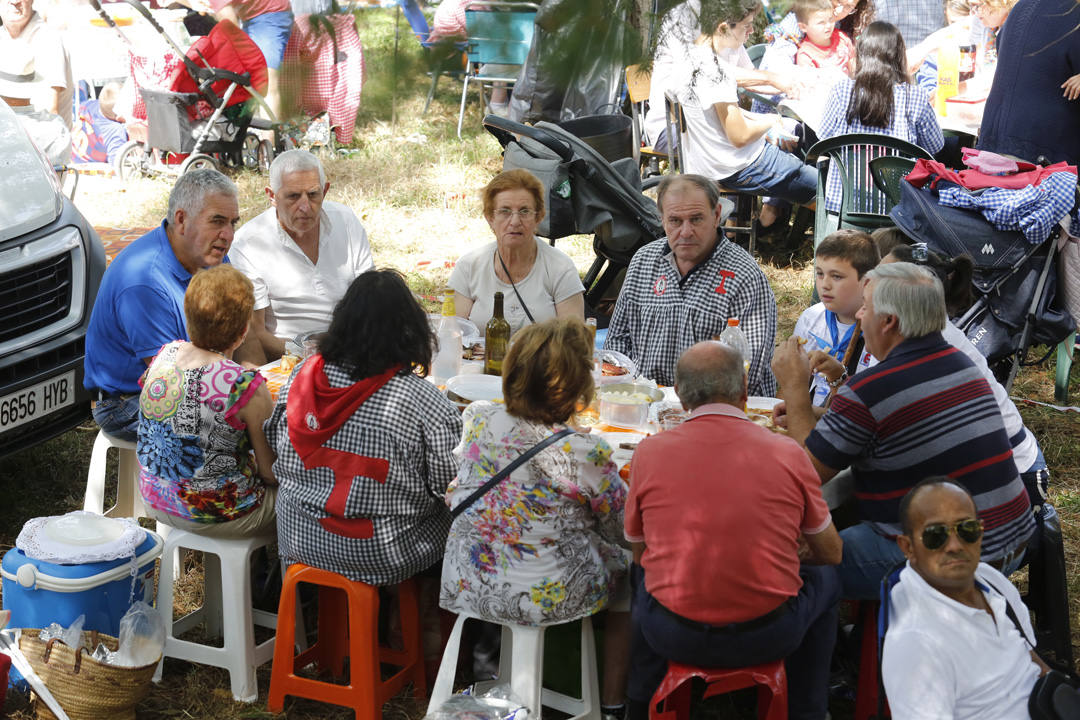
[(674, 691), (348, 626)]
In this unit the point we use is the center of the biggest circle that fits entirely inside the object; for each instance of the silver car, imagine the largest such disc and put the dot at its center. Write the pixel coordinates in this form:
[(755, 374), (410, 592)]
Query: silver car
[(51, 263)]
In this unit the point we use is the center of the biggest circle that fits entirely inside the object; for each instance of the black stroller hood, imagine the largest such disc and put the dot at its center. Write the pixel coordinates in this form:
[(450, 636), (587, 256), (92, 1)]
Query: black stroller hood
[(585, 193), (955, 231)]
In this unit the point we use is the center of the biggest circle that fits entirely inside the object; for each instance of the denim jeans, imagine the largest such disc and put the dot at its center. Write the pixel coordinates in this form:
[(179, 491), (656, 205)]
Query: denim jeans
[(804, 637), (119, 416), (868, 557), (777, 174)]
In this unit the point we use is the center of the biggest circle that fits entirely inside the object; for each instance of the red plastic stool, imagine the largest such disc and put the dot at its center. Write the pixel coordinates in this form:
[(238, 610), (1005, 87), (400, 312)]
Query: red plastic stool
[(348, 626), (674, 691), (866, 694)]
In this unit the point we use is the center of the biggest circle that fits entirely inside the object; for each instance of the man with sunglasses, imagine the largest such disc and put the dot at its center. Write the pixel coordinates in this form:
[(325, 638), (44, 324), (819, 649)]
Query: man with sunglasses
[(959, 640)]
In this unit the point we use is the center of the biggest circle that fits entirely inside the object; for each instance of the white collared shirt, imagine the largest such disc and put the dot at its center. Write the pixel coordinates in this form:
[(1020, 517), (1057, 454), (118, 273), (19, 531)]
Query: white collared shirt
[(301, 295), (945, 660)]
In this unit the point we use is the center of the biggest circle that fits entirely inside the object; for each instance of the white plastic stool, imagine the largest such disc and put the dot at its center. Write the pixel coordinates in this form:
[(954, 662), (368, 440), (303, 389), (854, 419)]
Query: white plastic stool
[(521, 659), (226, 610), (128, 500)]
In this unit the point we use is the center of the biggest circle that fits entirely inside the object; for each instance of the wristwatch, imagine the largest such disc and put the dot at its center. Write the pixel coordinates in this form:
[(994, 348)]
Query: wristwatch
[(839, 381)]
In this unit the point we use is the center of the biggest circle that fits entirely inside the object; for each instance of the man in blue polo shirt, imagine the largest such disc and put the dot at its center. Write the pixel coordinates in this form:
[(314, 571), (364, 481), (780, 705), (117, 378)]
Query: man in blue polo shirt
[(140, 305), (923, 410)]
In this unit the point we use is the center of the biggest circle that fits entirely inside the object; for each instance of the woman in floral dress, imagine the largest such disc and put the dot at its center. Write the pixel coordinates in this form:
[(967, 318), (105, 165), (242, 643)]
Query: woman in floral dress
[(205, 464), (545, 545)]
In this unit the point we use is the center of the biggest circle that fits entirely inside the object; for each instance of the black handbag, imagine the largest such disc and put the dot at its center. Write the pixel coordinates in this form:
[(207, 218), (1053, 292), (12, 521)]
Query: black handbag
[(1054, 697)]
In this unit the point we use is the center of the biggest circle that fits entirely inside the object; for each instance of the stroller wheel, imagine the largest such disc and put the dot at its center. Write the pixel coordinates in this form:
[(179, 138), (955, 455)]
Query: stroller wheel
[(131, 162), (250, 152), (264, 156), (199, 162)]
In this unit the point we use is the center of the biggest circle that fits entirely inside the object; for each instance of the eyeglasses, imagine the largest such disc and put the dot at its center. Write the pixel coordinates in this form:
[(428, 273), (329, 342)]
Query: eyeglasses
[(919, 252), (507, 213), (935, 536)]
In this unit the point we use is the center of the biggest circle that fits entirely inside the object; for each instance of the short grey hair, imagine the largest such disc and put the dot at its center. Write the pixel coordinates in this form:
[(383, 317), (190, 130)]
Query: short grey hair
[(292, 161), (709, 187), (913, 294), (192, 188), (721, 379)]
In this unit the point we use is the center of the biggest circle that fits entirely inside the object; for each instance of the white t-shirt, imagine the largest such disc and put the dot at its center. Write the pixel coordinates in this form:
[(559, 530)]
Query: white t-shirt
[(51, 62), (947, 661), (699, 82), (300, 295), (813, 327), (553, 278)]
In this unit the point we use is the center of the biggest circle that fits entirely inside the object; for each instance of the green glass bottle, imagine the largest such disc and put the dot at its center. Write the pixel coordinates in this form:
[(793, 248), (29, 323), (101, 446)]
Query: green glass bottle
[(496, 338)]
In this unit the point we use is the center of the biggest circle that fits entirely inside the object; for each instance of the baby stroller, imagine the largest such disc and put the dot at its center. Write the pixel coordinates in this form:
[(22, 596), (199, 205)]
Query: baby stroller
[(204, 113), (1017, 302), (585, 194)]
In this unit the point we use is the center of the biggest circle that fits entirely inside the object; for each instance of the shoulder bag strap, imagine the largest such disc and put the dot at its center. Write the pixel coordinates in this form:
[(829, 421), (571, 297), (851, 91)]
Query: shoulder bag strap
[(502, 474), (1009, 611), (514, 285)]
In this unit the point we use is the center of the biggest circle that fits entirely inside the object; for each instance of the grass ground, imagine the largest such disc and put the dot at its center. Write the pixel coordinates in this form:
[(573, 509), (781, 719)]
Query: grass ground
[(416, 187)]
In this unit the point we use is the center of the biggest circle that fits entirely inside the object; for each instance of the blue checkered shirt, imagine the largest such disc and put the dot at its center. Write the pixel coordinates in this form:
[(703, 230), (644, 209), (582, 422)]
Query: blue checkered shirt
[(913, 119), (914, 18), (1033, 210)]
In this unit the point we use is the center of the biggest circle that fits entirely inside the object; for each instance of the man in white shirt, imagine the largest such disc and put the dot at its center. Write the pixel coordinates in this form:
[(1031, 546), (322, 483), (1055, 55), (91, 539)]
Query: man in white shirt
[(959, 643), (25, 31), (301, 254)]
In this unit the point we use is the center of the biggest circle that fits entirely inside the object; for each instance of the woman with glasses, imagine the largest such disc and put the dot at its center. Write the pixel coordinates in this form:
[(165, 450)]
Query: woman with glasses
[(537, 281)]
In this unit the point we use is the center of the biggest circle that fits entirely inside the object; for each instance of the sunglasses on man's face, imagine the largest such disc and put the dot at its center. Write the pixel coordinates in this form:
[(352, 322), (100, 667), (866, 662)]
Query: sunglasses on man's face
[(935, 536)]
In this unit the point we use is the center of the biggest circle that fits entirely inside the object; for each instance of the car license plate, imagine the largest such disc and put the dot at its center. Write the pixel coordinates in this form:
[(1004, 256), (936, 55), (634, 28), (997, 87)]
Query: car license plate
[(37, 401)]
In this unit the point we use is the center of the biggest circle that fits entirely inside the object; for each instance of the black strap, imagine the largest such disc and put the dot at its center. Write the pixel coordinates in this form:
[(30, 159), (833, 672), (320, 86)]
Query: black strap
[(1009, 611), (502, 474), (513, 285)]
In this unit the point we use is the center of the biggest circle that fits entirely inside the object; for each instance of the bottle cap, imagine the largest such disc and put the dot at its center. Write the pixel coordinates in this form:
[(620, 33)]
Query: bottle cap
[(733, 322)]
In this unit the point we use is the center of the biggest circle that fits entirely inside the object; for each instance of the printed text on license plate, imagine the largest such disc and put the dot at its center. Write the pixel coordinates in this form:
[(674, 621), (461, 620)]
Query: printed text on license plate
[(37, 401)]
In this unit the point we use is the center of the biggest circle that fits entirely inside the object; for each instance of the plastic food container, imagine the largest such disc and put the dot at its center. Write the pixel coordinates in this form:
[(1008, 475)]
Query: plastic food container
[(620, 407)]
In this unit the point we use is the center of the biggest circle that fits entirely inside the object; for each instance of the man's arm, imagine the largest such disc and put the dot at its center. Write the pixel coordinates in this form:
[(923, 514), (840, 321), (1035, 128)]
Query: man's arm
[(755, 306), (250, 353), (825, 547), (791, 366), (638, 549), (271, 346)]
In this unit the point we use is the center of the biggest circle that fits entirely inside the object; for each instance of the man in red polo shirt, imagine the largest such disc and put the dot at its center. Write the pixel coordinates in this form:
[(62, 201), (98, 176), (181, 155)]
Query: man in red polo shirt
[(733, 544)]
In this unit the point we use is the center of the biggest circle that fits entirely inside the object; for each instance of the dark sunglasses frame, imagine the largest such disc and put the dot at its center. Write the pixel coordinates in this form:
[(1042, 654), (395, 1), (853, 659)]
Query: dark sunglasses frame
[(935, 536)]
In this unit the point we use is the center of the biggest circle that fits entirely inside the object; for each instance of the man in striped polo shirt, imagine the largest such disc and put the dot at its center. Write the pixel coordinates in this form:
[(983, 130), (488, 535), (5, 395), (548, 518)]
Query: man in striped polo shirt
[(923, 410)]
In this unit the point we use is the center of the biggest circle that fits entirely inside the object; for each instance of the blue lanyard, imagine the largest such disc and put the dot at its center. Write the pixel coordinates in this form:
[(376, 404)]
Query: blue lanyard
[(838, 346)]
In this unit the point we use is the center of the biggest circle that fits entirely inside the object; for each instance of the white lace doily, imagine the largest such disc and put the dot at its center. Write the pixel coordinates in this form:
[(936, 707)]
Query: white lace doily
[(80, 537)]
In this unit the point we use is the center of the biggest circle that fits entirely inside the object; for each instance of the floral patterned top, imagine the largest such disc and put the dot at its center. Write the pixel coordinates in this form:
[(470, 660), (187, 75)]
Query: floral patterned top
[(194, 453), (542, 546)]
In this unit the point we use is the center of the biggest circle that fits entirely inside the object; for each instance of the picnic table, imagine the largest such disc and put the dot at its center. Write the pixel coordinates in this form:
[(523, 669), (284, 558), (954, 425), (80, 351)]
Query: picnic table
[(963, 114)]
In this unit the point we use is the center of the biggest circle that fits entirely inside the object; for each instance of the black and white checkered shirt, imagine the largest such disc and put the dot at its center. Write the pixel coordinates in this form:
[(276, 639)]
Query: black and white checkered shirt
[(407, 422), (660, 314)]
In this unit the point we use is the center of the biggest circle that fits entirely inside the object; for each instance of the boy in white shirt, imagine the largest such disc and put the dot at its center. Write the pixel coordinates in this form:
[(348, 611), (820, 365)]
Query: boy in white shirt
[(828, 327)]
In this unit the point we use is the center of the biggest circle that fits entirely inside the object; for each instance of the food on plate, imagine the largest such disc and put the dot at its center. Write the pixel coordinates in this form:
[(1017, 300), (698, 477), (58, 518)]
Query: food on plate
[(670, 417), (628, 446), (608, 368), (587, 417), (287, 363), (624, 397), (624, 471), (473, 352)]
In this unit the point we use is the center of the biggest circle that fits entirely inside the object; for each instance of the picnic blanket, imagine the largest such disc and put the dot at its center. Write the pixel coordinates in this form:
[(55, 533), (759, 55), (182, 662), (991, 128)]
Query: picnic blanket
[(116, 239)]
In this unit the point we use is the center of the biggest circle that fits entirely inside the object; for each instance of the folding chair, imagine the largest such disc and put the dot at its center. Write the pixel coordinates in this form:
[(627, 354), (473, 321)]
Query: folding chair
[(442, 56), (638, 84), (677, 132), (500, 33), (756, 52), (863, 206)]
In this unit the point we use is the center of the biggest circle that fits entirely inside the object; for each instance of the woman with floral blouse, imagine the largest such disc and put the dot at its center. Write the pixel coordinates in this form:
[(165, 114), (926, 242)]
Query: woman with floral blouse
[(544, 546)]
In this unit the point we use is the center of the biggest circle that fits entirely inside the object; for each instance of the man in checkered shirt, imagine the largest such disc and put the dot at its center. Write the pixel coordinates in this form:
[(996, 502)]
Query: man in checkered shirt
[(682, 289)]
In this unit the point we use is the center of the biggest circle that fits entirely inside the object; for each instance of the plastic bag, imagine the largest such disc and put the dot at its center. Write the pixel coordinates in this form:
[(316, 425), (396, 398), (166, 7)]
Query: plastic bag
[(142, 637), (498, 703), (71, 636)]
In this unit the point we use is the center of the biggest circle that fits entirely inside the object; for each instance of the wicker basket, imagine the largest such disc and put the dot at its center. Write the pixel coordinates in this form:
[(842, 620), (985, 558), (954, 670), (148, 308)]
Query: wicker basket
[(85, 688)]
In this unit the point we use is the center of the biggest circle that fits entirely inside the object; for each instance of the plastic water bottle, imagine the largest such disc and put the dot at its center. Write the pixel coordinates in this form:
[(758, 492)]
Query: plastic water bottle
[(447, 361), (733, 337)]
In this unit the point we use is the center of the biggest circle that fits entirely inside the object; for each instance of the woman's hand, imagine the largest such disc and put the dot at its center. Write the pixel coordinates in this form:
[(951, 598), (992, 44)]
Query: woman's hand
[(1072, 87)]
